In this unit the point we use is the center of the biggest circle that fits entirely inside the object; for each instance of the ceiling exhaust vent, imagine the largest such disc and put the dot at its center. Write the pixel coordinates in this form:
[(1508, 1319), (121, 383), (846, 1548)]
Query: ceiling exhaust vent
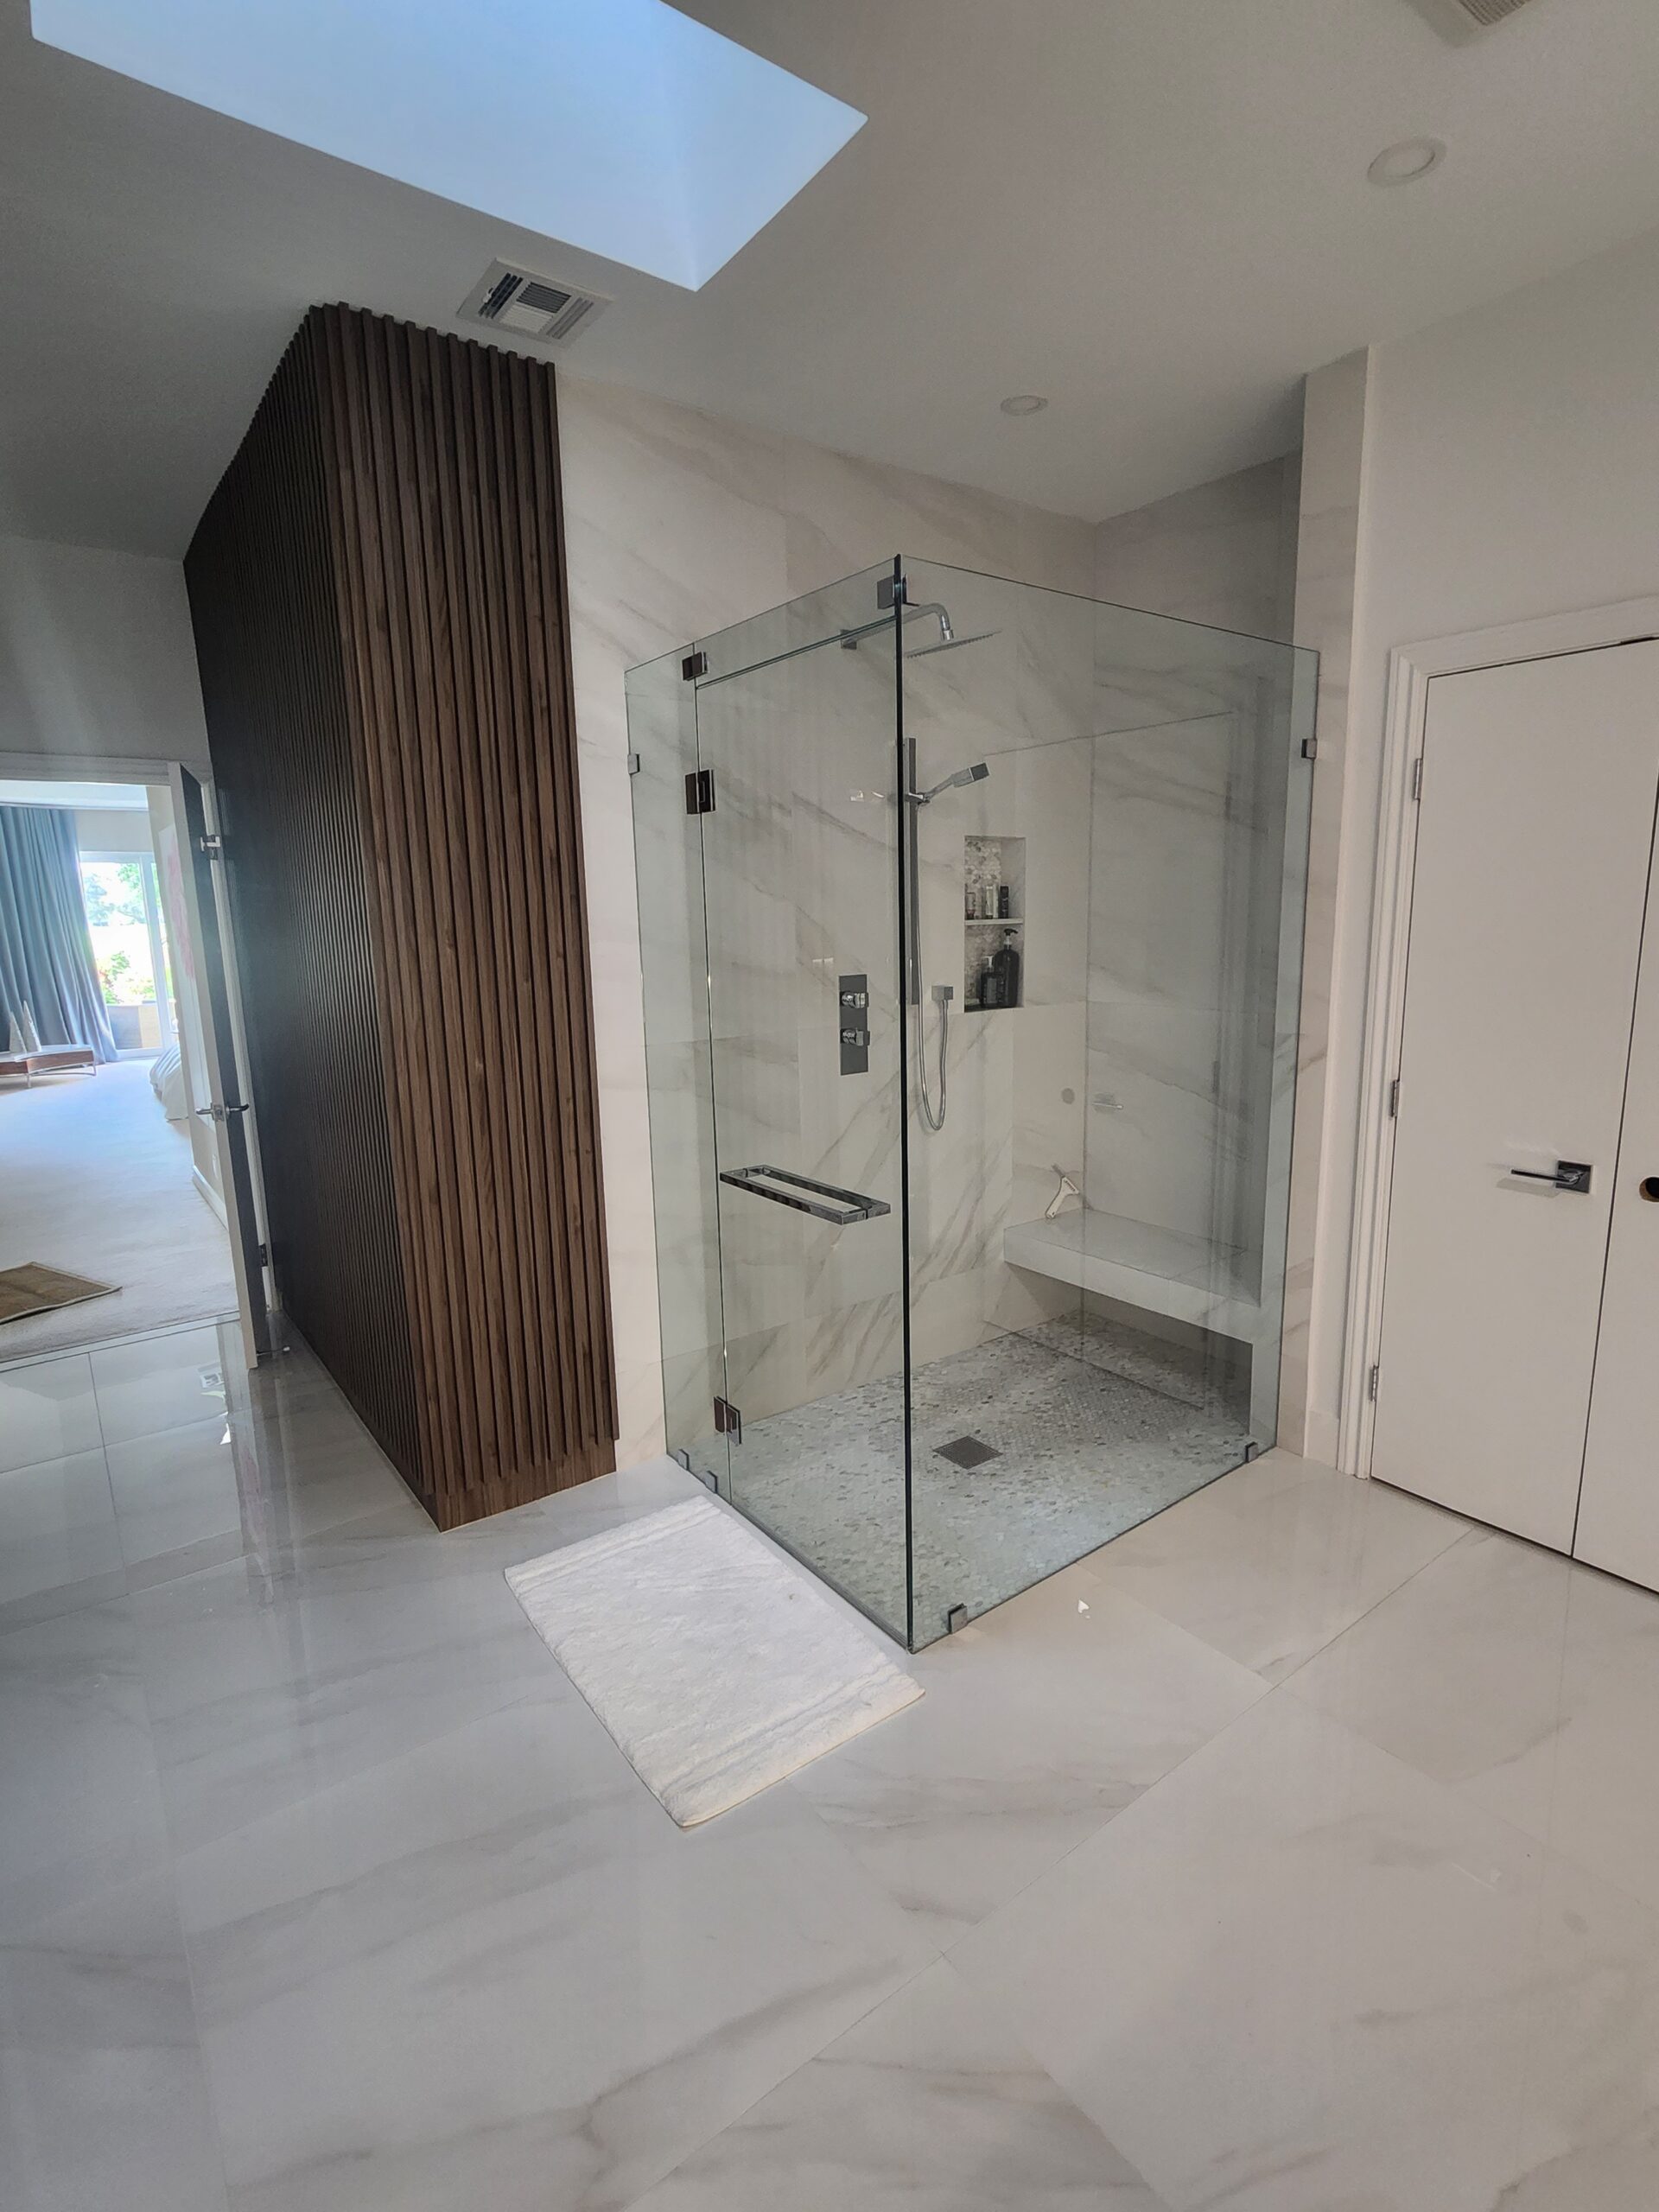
[(1462, 19), (529, 307)]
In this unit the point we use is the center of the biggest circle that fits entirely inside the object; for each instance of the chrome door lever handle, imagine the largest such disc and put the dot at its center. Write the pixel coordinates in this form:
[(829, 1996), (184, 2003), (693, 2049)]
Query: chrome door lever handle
[(1565, 1175)]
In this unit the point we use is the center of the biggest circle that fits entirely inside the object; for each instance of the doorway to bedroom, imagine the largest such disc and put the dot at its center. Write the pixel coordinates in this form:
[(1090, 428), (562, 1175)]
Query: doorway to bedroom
[(113, 1218)]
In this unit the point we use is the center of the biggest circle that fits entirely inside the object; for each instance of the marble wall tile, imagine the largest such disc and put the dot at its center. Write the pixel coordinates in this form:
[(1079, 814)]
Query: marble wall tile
[(1048, 1049), (1332, 492), (677, 526), (1213, 553)]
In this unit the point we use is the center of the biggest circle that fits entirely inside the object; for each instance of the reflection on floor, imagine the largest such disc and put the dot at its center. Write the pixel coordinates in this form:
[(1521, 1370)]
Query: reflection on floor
[(1300, 1849), (1094, 1425), (96, 1181)]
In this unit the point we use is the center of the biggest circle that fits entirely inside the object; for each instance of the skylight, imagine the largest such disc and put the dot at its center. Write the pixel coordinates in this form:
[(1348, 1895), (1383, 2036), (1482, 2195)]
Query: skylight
[(619, 126)]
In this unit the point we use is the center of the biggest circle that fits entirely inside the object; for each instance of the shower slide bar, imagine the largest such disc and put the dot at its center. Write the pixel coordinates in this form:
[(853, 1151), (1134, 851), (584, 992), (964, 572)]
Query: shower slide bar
[(854, 1204)]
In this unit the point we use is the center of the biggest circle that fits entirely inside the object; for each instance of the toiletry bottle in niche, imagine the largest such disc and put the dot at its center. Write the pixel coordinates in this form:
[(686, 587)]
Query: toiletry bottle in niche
[(1003, 897), (1005, 970), (987, 982)]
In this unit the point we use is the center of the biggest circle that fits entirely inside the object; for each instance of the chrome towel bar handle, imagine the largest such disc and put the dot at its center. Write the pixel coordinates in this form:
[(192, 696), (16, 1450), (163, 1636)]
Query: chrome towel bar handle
[(849, 1206)]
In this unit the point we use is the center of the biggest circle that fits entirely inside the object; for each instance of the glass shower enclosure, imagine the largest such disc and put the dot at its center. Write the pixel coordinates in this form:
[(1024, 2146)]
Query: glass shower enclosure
[(970, 921)]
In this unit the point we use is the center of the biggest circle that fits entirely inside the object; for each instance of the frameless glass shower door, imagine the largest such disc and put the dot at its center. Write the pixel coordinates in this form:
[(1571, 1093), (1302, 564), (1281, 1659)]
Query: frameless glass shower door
[(789, 764)]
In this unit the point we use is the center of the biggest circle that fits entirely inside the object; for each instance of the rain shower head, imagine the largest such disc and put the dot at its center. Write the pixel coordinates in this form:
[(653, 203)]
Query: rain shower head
[(947, 640), (947, 644)]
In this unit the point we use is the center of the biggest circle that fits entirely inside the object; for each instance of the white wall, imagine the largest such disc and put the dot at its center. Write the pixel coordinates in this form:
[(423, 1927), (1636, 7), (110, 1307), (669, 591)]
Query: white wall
[(96, 655), (111, 829), (1511, 470)]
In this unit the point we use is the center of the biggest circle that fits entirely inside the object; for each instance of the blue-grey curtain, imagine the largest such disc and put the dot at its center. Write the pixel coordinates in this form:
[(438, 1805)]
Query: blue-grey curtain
[(45, 950)]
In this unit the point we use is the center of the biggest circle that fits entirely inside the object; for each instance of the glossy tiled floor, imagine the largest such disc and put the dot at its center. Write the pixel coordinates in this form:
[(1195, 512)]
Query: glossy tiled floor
[(1294, 1853)]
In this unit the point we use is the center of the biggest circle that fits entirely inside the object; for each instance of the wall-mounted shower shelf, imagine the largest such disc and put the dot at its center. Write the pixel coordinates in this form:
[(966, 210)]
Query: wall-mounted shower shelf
[(1184, 1278)]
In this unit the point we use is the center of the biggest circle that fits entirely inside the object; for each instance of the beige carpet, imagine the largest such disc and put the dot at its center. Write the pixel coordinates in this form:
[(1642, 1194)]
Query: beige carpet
[(95, 1179)]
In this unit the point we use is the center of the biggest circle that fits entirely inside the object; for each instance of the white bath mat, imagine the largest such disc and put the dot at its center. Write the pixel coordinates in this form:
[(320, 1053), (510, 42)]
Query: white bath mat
[(718, 1667)]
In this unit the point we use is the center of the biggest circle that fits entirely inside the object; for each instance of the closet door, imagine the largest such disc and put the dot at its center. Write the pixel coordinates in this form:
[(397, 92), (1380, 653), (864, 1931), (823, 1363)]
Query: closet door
[(1619, 1507), (1533, 853)]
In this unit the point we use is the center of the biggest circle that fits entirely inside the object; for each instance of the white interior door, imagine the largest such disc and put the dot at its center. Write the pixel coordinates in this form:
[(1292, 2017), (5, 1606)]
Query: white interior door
[(1619, 1504), (1533, 853), (229, 1106)]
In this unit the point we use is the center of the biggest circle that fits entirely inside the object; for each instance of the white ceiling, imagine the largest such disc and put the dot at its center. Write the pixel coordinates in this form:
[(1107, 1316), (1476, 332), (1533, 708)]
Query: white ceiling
[(1153, 211)]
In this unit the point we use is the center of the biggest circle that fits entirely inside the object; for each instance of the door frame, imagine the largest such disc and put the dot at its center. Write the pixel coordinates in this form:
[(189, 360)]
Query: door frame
[(1411, 668), (260, 1328)]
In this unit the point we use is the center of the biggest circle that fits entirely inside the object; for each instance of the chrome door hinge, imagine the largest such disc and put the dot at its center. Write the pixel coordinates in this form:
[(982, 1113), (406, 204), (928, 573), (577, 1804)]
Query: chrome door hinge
[(212, 843), (700, 791), (694, 665), (1417, 777), (891, 592), (634, 764), (1394, 1098), (1310, 749), (1371, 1382), (728, 1421)]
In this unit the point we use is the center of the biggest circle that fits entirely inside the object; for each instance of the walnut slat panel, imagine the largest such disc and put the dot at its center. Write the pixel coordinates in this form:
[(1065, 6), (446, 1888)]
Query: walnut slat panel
[(260, 576), (440, 542)]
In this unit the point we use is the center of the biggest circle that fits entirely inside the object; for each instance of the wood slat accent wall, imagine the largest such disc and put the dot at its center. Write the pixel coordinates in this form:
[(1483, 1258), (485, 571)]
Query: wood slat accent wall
[(260, 575), (437, 463)]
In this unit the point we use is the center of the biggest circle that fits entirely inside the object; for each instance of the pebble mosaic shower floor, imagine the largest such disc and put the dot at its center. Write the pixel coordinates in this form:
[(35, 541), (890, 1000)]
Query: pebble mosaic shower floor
[(1095, 1428)]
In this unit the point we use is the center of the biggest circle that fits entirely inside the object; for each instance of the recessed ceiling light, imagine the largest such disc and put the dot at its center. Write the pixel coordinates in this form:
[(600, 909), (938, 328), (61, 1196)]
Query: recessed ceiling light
[(1406, 162), (1024, 403)]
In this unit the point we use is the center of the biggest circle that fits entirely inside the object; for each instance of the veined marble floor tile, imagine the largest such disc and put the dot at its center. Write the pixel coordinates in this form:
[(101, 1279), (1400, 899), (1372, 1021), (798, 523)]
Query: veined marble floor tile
[(1300, 1975), (175, 1488), (1529, 1683), (167, 1381), (57, 1532), (1040, 1722), (103, 2099), (279, 1676), (48, 1411), (492, 1972), (928, 2102), (547, 1524), (81, 1805), (1273, 1561)]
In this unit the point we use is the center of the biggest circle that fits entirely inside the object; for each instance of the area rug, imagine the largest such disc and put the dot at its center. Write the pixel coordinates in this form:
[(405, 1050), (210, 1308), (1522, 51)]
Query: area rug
[(718, 1667), (33, 1289)]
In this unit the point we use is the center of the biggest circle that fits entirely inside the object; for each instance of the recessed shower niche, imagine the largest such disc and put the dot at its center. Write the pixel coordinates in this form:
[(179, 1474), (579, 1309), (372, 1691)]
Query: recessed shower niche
[(994, 923), (942, 1322)]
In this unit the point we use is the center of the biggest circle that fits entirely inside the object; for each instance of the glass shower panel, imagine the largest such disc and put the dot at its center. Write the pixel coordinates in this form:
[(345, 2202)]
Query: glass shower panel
[(796, 737), (971, 932), (1098, 1228)]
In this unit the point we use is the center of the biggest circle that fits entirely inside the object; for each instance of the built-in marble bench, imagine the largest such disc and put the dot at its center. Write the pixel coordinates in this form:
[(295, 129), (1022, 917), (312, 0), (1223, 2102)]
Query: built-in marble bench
[(1160, 1271)]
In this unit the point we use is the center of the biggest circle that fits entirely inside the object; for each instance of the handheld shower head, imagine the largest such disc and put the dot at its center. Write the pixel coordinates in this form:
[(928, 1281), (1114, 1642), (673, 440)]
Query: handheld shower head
[(976, 774)]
